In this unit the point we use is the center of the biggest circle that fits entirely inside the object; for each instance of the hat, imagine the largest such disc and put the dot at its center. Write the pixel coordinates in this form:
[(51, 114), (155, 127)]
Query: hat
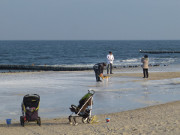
[(145, 56)]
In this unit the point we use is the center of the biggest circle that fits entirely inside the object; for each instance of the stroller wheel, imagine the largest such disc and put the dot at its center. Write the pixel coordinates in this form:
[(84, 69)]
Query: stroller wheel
[(89, 119), (84, 120), (22, 121), (39, 121)]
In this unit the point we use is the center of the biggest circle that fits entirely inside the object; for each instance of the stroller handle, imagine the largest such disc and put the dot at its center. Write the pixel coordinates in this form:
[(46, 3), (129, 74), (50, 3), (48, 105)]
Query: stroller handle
[(91, 91)]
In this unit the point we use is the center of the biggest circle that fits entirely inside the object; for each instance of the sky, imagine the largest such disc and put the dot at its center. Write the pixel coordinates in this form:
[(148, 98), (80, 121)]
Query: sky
[(89, 20)]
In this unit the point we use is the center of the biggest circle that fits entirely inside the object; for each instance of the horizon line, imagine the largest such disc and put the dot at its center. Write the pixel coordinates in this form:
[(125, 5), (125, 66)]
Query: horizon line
[(89, 39)]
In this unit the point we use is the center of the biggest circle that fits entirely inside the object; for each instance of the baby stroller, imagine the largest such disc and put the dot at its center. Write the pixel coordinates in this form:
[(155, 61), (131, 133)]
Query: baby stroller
[(30, 107), (82, 109)]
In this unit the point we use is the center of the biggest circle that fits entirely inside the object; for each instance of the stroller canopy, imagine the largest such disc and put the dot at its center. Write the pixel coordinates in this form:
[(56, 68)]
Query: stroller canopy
[(84, 99), (31, 100)]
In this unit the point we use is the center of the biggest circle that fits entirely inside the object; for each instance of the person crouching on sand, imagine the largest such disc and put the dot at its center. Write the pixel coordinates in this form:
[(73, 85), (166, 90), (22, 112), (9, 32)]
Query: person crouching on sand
[(145, 66), (98, 69)]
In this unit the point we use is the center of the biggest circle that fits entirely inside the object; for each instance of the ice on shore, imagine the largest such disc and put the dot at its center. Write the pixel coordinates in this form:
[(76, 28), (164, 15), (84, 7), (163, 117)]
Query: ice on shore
[(58, 90)]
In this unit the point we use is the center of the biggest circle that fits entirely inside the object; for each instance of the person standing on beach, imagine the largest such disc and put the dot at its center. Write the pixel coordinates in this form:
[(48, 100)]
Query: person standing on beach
[(98, 69), (145, 66), (110, 59)]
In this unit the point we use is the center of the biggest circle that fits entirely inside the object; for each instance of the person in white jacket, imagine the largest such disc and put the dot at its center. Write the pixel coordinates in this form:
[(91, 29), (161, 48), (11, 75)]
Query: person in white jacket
[(110, 59)]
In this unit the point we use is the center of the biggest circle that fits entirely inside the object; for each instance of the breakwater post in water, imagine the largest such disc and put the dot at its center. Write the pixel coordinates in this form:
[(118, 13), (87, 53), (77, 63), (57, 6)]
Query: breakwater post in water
[(156, 52), (56, 68), (43, 68)]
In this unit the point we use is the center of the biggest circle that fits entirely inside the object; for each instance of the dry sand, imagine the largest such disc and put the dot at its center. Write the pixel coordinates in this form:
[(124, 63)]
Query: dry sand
[(155, 120), (161, 119)]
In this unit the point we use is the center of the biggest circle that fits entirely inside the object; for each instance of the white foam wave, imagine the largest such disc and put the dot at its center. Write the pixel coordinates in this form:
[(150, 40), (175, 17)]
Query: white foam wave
[(125, 62), (168, 60), (131, 60), (137, 61)]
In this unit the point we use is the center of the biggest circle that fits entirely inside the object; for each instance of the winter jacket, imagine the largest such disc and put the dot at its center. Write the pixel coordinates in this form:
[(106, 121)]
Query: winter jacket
[(110, 59), (98, 68), (145, 62)]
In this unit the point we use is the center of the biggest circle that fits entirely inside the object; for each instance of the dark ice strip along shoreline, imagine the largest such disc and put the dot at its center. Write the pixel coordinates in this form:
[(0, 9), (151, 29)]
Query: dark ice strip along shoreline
[(55, 68)]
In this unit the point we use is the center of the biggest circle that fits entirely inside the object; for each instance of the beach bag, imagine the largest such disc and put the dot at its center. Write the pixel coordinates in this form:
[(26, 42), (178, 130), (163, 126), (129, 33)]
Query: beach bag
[(32, 116)]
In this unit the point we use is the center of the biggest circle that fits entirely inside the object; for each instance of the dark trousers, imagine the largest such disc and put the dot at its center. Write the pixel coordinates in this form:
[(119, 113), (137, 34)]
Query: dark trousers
[(97, 74), (109, 67), (145, 72)]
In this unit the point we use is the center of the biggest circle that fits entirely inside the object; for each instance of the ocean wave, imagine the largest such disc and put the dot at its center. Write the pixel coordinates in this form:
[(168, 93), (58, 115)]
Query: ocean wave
[(152, 61), (168, 60), (131, 60)]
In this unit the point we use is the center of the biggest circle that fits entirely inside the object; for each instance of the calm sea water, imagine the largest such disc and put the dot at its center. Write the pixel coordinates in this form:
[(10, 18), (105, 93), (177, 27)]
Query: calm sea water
[(85, 53)]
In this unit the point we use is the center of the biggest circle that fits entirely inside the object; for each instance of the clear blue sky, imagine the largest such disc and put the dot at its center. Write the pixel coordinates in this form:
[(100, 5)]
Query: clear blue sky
[(89, 19)]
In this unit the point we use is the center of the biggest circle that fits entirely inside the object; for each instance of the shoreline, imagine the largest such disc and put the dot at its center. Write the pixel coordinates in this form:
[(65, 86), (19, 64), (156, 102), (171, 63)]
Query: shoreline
[(158, 119), (48, 68), (34, 68), (152, 75)]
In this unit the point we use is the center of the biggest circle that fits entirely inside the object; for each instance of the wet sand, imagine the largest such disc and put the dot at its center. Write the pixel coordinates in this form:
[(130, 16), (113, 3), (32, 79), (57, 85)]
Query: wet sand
[(152, 75), (163, 119)]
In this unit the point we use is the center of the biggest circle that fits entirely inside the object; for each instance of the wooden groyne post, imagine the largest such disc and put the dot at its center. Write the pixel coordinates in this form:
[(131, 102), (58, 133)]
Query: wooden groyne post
[(156, 51), (43, 68), (56, 68)]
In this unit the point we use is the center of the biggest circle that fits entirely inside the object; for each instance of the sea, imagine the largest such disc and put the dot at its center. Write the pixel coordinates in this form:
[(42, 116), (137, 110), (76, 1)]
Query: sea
[(58, 90), (85, 53)]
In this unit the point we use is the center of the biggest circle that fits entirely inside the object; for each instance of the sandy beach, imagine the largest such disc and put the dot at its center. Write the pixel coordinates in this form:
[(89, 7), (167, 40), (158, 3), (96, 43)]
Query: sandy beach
[(152, 76), (162, 119), (155, 120)]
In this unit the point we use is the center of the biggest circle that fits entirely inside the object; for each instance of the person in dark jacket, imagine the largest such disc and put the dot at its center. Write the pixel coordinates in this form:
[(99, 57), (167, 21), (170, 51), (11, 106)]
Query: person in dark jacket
[(98, 69)]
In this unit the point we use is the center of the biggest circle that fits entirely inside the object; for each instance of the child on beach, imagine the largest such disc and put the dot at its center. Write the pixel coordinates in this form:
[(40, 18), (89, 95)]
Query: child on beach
[(145, 66)]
